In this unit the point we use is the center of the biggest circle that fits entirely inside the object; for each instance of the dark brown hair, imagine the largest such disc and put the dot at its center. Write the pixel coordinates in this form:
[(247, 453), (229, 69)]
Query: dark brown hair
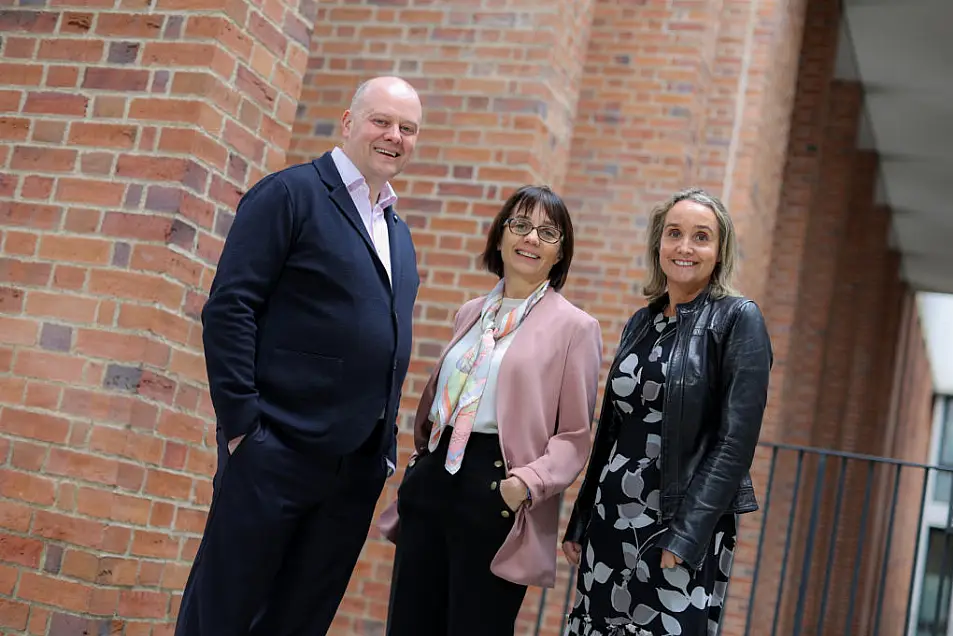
[(522, 203)]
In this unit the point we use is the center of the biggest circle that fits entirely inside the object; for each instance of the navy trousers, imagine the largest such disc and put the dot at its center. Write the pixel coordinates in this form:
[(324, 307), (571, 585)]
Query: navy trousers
[(283, 535)]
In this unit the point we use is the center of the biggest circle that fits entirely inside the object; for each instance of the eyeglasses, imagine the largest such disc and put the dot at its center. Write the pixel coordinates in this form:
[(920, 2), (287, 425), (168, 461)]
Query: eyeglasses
[(521, 226)]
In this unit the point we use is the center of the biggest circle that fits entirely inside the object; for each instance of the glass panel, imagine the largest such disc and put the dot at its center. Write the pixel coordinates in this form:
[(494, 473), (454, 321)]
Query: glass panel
[(944, 480), (936, 585)]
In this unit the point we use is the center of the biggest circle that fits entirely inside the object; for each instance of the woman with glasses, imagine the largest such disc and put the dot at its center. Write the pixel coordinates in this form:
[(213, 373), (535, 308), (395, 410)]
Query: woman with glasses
[(502, 428), (653, 528)]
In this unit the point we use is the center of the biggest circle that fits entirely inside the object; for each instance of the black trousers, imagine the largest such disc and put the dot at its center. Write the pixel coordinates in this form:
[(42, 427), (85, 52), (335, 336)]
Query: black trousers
[(283, 534), (451, 526)]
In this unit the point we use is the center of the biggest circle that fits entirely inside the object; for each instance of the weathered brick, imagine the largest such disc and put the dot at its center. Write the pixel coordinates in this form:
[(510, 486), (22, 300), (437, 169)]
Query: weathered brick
[(122, 378), (76, 23), (36, 159), (75, 249), (21, 74), (14, 128), (54, 103), (129, 25), (62, 77), (177, 54), (34, 425), (114, 79), (71, 50), (103, 193), (27, 21), (123, 52), (41, 217), (56, 337)]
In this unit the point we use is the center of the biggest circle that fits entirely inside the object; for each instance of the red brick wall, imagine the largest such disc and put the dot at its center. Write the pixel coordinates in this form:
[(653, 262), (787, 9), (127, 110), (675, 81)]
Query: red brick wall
[(789, 295), (126, 137)]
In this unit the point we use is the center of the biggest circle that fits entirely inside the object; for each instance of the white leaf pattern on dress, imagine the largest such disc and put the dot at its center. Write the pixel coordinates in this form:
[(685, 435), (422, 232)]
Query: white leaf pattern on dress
[(642, 572), (617, 462), (677, 576), (621, 598), (631, 555), (643, 615), (623, 386), (632, 484), (628, 365), (653, 445), (602, 572), (673, 626), (652, 500), (699, 597), (650, 390), (724, 563)]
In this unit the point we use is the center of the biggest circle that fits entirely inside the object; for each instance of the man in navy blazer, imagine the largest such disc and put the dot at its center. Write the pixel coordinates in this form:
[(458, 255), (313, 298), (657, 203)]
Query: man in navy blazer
[(307, 334)]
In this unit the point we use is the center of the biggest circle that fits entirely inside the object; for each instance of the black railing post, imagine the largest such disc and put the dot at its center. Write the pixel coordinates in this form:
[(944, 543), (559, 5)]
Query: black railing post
[(886, 556), (759, 553), (848, 628), (787, 540), (809, 548), (827, 575), (916, 551)]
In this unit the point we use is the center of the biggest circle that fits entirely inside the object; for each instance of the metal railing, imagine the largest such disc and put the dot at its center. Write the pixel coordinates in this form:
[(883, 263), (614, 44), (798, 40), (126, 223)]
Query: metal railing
[(838, 549)]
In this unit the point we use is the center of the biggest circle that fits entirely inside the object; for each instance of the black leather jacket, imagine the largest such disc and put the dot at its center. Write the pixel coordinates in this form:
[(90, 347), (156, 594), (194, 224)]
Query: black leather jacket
[(715, 397)]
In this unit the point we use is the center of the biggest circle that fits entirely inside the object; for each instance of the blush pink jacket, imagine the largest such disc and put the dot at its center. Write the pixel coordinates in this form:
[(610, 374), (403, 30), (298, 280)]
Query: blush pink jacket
[(550, 371)]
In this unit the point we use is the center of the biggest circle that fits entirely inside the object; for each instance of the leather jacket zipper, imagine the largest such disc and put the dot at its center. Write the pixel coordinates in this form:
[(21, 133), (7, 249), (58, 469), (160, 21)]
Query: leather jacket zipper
[(662, 436)]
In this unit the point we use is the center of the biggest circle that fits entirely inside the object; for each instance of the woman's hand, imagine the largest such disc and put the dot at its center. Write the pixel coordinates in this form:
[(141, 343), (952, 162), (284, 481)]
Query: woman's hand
[(573, 551), (513, 491), (669, 560)]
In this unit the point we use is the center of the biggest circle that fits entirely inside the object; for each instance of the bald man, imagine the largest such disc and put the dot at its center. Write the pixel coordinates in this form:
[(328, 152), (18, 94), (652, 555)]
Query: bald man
[(307, 334)]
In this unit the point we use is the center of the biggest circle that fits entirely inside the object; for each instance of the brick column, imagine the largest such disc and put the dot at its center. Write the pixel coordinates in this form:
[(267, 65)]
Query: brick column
[(787, 297), (748, 121), (499, 86), (126, 138), (816, 379)]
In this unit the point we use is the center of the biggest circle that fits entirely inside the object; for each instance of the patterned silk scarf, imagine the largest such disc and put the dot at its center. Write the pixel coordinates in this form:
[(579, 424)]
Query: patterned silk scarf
[(457, 403)]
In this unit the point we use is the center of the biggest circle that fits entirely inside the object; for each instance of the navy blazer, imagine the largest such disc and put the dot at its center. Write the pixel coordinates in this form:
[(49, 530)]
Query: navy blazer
[(302, 325)]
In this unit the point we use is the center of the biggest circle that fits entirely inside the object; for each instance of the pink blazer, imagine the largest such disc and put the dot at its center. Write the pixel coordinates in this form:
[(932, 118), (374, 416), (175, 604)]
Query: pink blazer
[(550, 370)]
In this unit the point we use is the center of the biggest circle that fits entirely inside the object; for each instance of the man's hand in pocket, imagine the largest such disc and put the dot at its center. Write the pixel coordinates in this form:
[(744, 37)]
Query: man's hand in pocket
[(233, 443)]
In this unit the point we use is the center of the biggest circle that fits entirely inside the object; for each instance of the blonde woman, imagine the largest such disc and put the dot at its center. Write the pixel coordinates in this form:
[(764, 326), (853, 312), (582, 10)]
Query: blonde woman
[(653, 529)]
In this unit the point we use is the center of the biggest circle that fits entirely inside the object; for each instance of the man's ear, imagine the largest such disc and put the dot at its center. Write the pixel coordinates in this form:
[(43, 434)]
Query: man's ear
[(346, 120)]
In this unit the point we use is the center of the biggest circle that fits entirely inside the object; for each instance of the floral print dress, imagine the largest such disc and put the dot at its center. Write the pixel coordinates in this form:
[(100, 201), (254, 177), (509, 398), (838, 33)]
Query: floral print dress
[(622, 589)]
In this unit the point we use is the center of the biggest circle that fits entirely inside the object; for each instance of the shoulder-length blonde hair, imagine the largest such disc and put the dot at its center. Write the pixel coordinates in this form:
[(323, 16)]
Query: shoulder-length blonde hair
[(656, 284)]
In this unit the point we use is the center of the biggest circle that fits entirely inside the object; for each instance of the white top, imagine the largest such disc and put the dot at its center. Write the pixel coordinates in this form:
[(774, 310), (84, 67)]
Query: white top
[(373, 216), (485, 421)]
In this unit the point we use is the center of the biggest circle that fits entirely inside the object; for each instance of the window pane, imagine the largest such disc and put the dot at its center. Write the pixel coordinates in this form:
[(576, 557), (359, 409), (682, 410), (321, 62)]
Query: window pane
[(946, 446), (936, 585), (941, 490), (944, 481)]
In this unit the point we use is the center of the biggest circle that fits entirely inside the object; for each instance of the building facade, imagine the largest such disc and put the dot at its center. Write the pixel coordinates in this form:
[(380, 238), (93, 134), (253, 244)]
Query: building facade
[(129, 129)]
